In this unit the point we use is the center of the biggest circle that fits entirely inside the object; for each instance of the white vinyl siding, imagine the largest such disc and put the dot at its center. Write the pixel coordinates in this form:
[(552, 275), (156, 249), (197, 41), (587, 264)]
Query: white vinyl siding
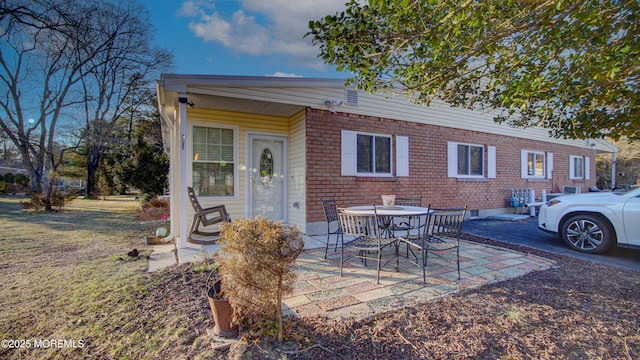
[(297, 172), (311, 93)]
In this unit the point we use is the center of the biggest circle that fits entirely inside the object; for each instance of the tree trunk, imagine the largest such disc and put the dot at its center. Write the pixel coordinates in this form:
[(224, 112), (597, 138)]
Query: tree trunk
[(279, 312), (35, 181), (93, 160), (48, 191), (34, 169), (91, 186)]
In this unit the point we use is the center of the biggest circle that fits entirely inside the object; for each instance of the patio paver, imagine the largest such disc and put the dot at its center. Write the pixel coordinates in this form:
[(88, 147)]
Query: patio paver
[(321, 292)]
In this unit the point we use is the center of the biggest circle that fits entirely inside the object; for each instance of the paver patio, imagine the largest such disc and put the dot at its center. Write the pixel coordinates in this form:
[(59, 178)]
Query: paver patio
[(321, 292)]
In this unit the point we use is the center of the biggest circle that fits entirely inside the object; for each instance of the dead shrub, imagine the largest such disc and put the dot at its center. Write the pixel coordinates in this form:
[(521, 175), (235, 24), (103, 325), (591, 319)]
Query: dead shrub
[(256, 257), (153, 210), (58, 200)]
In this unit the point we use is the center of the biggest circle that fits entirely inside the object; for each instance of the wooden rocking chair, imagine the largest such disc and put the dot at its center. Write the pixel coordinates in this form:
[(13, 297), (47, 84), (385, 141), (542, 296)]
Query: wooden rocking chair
[(205, 217)]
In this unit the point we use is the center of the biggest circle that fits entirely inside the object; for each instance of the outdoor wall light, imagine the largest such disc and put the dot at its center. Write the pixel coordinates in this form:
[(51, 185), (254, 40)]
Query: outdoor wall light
[(332, 103)]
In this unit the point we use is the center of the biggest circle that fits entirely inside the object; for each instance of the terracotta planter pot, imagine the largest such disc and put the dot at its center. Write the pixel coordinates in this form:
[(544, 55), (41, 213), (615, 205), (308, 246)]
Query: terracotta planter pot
[(153, 240), (221, 310)]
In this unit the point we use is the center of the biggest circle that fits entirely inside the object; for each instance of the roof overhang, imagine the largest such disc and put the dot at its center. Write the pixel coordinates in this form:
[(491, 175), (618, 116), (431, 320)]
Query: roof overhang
[(204, 92), (250, 94), (602, 146)]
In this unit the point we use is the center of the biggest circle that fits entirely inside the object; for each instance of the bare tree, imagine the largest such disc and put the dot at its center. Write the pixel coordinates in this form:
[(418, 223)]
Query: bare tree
[(7, 148), (50, 51), (627, 163), (125, 66), (38, 68)]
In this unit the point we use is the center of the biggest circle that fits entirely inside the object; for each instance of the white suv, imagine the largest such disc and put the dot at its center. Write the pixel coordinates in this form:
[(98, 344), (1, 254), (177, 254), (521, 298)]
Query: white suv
[(593, 222)]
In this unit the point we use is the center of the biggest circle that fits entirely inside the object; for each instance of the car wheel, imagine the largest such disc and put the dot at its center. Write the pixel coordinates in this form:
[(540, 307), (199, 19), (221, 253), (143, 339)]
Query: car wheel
[(588, 233)]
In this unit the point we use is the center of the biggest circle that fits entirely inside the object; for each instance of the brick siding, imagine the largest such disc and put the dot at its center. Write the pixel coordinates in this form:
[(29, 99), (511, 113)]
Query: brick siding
[(427, 165)]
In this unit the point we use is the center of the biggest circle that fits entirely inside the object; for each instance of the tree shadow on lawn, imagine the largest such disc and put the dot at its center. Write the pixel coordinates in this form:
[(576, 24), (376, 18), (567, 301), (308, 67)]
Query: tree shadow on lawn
[(96, 216)]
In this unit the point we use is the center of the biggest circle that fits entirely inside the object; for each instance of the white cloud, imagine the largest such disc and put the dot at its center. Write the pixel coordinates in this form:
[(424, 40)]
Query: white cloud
[(262, 27), (282, 74), (192, 8)]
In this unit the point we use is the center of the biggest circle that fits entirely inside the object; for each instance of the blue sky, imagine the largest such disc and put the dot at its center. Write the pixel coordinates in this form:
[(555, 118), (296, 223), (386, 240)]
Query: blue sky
[(242, 37)]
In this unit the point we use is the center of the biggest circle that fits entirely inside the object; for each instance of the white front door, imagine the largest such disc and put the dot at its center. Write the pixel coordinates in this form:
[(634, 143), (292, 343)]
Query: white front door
[(267, 194)]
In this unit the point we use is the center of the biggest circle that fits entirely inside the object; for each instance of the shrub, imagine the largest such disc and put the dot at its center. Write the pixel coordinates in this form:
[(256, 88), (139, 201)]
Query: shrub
[(22, 180), (154, 209), (9, 178), (58, 200), (255, 258)]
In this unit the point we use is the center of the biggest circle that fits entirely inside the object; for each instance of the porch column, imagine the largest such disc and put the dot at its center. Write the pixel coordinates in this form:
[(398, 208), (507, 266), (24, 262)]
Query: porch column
[(173, 195), (182, 177), (613, 170)]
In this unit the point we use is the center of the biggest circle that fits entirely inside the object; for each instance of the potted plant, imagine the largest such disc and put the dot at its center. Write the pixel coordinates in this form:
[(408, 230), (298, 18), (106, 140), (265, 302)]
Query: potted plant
[(220, 307)]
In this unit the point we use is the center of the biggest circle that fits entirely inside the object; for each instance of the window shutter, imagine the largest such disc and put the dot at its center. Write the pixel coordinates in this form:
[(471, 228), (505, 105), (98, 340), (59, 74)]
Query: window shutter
[(572, 167), (349, 153), (402, 156), (523, 164), (549, 165), (587, 171), (452, 159), (491, 162)]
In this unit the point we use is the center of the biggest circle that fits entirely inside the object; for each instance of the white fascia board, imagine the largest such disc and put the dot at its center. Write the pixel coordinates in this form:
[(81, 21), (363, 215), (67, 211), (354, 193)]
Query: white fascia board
[(603, 145), (179, 82), (172, 86)]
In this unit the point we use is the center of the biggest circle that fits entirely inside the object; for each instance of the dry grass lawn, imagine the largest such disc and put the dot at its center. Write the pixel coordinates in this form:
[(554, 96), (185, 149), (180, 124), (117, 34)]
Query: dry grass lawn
[(67, 276)]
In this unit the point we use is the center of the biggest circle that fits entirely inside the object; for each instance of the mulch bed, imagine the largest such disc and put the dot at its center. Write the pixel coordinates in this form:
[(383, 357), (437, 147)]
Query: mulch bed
[(579, 310)]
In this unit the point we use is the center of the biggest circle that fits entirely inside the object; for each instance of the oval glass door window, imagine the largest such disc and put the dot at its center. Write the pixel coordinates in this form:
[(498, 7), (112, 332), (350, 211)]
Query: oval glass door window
[(266, 168)]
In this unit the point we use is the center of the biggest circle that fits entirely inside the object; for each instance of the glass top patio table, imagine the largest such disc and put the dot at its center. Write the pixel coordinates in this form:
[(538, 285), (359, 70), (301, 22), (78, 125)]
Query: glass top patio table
[(391, 215), (400, 211)]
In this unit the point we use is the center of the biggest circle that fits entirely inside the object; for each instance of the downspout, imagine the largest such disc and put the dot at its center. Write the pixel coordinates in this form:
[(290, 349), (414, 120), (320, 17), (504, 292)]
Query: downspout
[(167, 128), (167, 134)]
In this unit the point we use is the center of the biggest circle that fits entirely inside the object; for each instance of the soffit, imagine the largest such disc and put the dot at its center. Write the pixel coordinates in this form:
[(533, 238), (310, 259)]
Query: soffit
[(203, 101)]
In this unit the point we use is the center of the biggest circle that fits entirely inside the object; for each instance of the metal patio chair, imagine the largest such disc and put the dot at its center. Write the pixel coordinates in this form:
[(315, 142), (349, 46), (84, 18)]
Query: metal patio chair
[(363, 237), (331, 216), (409, 223), (441, 233)]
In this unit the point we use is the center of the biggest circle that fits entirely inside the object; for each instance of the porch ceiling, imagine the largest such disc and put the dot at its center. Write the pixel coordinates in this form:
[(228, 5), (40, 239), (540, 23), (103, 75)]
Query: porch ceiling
[(203, 101)]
